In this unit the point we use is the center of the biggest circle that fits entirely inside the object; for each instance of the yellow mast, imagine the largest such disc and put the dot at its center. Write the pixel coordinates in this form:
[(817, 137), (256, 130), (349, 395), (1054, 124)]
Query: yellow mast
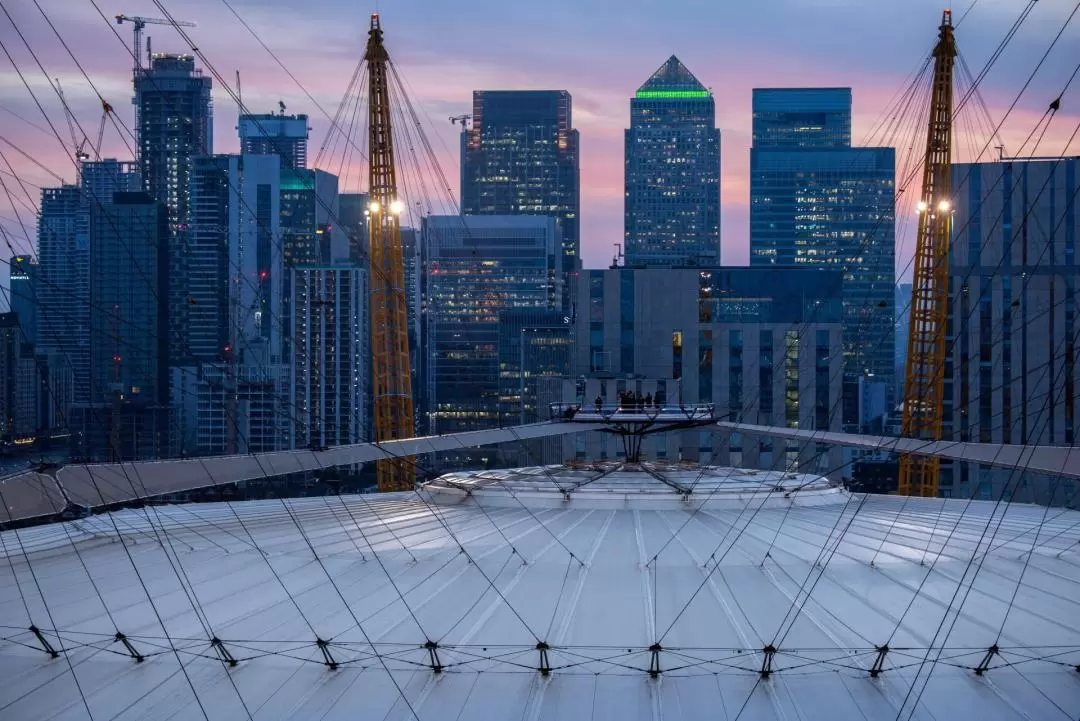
[(924, 373), (389, 318)]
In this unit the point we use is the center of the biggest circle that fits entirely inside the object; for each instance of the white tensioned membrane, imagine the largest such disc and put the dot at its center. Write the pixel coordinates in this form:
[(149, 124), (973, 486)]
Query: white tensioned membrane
[(573, 592), (32, 494)]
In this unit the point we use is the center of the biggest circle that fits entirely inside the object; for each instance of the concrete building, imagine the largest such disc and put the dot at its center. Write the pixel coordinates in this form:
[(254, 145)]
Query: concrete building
[(520, 157), (672, 199), (285, 136), (477, 267), (1012, 372), (761, 344), (816, 200)]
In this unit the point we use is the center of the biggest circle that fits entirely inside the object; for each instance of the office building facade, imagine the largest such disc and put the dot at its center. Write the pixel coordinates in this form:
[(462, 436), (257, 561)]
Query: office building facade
[(533, 344), (521, 157), (477, 267), (815, 200), (672, 154), (1011, 375), (760, 344), (285, 136)]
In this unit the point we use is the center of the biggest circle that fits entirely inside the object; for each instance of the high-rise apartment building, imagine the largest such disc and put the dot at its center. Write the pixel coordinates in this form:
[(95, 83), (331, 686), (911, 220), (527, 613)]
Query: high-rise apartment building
[(309, 217), (235, 251), (129, 283), (173, 121), (285, 136), (353, 216), (23, 283), (18, 381), (1011, 375), (520, 157), (236, 382), (760, 344), (63, 299), (331, 348), (672, 211), (815, 200), (477, 267)]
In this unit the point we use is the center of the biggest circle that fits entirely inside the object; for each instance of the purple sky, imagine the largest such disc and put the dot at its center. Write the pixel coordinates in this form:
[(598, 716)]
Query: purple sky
[(600, 50)]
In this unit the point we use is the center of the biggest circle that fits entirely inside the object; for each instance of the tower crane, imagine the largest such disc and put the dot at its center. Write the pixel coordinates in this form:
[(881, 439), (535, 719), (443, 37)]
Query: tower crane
[(462, 120), (389, 319), (140, 23), (924, 372)]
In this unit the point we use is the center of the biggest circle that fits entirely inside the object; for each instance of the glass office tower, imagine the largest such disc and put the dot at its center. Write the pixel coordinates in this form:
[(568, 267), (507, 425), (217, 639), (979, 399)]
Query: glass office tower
[(816, 200), (672, 211), (520, 157)]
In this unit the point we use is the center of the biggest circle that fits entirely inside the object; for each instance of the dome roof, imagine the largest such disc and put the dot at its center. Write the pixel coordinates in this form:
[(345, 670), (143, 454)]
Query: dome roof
[(595, 591), (642, 486)]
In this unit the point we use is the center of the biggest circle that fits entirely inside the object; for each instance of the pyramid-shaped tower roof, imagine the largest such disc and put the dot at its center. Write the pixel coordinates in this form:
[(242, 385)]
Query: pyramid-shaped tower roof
[(672, 79)]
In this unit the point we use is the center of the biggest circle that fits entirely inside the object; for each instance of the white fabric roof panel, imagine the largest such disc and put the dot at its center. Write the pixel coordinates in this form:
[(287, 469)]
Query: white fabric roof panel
[(32, 494), (824, 576)]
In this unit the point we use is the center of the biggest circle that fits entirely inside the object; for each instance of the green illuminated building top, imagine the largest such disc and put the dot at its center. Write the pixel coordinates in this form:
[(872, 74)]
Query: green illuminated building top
[(651, 94)]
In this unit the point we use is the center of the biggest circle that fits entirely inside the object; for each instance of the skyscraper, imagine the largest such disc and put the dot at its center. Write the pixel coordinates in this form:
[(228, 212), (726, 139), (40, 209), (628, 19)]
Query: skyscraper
[(476, 268), (18, 381), (129, 341), (174, 124), (309, 211), (64, 297), (285, 136), (128, 290), (672, 211), (815, 200), (520, 157), (1011, 370), (225, 396), (330, 355)]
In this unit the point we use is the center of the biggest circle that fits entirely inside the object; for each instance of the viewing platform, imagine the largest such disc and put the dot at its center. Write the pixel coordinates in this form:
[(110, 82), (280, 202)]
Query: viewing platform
[(617, 413)]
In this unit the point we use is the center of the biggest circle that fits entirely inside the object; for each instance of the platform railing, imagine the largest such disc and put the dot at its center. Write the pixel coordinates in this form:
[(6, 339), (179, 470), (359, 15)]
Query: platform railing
[(619, 411)]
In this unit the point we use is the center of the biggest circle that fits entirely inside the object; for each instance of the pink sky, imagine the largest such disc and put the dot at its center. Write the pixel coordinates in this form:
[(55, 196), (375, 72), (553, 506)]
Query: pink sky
[(600, 51)]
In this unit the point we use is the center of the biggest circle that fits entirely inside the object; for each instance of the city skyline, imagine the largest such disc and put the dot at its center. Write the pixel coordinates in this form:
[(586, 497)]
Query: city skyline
[(600, 74)]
